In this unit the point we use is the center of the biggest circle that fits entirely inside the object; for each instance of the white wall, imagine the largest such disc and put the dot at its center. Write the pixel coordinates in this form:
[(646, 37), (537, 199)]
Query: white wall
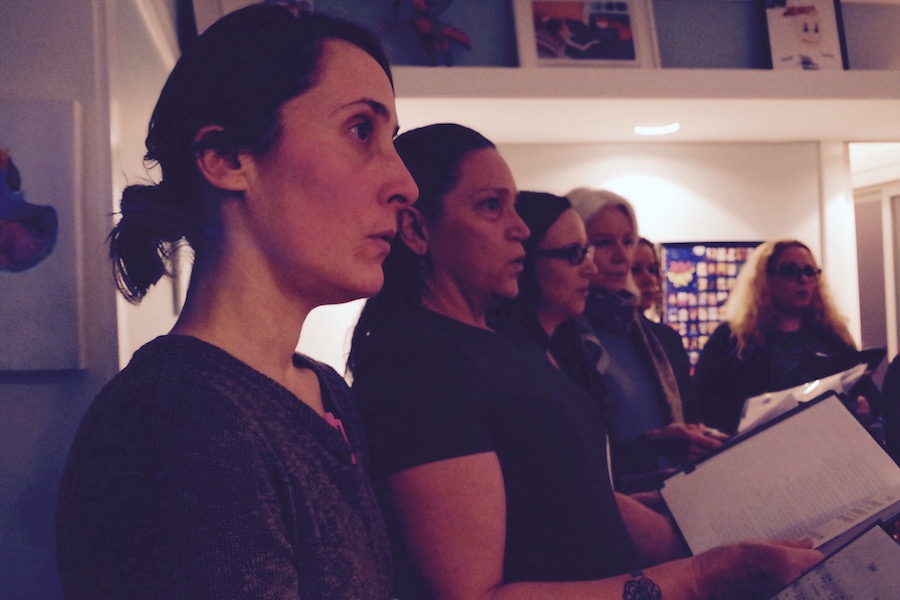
[(689, 192), (56, 51)]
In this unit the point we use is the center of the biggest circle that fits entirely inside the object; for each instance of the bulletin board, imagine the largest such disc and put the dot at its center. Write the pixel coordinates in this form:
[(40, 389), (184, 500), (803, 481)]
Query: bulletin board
[(698, 279)]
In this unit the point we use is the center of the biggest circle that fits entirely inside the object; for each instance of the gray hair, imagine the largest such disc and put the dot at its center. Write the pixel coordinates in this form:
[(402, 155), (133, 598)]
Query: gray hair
[(588, 202)]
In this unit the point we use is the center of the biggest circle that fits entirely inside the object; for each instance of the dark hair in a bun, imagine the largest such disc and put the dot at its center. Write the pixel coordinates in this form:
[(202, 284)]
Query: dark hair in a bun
[(236, 76)]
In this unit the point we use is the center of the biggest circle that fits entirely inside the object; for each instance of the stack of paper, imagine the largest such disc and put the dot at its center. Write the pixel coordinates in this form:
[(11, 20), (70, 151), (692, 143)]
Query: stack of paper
[(815, 472), (765, 407), (864, 569)]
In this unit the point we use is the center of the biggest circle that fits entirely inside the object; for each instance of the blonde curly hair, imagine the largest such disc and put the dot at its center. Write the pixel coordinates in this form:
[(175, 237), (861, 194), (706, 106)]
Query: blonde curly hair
[(750, 312)]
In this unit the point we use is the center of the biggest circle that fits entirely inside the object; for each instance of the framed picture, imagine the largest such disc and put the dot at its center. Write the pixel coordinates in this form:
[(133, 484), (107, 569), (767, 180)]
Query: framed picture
[(41, 324), (615, 33), (805, 34), (207, 12)]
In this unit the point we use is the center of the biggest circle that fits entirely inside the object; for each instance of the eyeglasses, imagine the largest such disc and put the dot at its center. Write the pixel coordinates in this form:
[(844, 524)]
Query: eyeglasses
[(573, 254), (792, 271)]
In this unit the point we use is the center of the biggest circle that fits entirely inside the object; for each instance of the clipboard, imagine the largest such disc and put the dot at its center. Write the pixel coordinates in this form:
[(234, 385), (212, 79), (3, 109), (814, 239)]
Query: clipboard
[(847, 374), (811, 472), (765, 407), (864, 567)]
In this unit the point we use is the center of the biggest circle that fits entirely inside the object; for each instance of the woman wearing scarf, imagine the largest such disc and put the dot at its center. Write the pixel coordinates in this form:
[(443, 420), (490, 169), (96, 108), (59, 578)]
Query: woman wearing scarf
[(652, 429)]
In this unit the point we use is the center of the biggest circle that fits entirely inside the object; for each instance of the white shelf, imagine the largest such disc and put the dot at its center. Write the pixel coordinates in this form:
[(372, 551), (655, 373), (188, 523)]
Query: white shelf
[(583, 104)]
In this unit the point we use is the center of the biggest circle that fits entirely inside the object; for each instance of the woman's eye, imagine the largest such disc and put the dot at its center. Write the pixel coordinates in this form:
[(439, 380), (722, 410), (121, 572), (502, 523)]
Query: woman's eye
[(490, 204), (363, 130)]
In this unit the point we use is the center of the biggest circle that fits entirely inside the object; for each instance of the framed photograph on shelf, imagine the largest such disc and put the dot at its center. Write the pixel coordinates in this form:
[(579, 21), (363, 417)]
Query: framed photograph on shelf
[(207, 12), (805, 34), (615, 33)]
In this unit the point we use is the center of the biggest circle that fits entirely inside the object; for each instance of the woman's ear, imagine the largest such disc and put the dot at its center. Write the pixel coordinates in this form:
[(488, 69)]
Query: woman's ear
[(413, 231), (223, 169)]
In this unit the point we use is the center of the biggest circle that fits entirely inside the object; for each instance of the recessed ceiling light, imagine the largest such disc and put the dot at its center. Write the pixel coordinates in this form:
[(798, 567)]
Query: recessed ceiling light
[(656, 129)]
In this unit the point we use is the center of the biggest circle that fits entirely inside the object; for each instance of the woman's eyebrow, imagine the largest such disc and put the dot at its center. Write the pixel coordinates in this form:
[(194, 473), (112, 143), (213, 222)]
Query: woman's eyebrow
[(377, 107)]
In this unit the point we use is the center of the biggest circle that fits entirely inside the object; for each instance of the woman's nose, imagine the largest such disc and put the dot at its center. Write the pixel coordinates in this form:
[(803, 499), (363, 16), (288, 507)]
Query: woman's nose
[(589, 267), (618, 253), (518, 230), (401, 189)]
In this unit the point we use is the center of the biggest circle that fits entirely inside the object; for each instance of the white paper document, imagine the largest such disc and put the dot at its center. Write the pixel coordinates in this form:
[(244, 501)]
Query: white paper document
[(765, 407), (865, 569), (817, 473)]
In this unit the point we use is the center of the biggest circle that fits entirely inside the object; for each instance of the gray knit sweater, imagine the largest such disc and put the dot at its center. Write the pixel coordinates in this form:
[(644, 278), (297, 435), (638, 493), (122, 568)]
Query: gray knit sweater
[(194, 476)]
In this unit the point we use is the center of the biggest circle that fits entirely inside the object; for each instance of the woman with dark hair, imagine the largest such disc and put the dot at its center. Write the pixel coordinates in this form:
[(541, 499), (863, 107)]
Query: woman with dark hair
[(781, 329), (219, 463), (491, 463), (553, 286)]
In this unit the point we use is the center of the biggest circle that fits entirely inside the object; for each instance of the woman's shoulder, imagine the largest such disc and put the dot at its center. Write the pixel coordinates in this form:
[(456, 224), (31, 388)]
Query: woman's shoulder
[(175, 383), (722, 330), (721, 338), (175, 362), (662, 330), (720, 349), (167, 363)]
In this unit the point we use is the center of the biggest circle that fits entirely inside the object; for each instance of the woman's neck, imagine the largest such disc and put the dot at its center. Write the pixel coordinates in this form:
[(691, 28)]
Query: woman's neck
[(548, 322), (456, 309), (258, 328), (787, 322), (451, 300)]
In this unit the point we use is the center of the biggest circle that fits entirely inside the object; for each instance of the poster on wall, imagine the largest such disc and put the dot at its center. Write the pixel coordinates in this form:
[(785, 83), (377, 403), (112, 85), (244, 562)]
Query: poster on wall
[(584, 32), (40, 186), (698, 278), (806, 34)]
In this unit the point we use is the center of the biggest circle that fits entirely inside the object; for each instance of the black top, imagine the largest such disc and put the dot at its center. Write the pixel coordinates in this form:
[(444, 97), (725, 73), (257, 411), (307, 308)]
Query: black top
[(724, 380), (434, 388), (194, 476), (891, 409)]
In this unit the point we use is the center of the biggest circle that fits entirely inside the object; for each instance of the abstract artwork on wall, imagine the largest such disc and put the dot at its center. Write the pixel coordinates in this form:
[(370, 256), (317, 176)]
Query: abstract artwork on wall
[(40, 246)]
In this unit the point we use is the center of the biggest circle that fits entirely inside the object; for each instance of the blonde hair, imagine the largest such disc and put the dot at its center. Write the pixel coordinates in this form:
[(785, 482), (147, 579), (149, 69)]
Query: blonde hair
[(588, 202), (750, 312)]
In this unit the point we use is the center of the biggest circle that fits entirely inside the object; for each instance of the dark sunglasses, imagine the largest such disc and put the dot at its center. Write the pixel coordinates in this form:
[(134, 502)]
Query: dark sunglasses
[(574, 254), (792, 271)]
